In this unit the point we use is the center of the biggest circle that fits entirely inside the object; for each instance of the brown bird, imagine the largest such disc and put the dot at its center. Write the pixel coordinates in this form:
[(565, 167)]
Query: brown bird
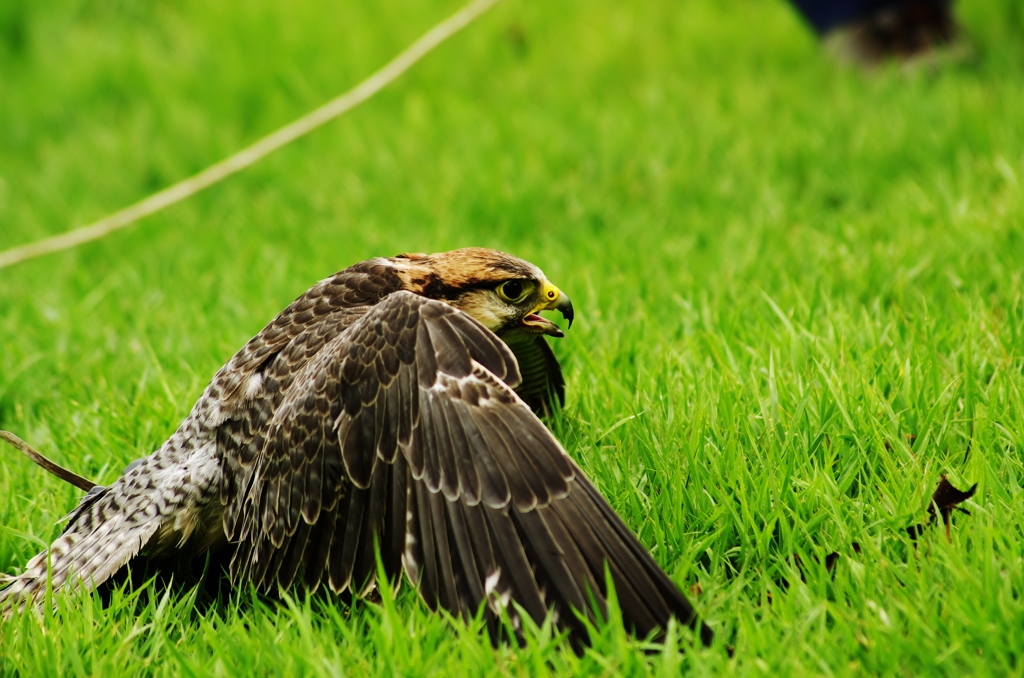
[(392, 406)]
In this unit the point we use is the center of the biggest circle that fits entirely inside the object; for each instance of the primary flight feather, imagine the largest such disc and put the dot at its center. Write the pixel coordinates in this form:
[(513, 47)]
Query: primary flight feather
[(393, 406)]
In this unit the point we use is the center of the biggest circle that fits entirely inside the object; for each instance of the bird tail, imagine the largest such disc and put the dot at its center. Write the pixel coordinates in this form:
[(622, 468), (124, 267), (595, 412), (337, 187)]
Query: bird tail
[(103, 535), (155, 506)]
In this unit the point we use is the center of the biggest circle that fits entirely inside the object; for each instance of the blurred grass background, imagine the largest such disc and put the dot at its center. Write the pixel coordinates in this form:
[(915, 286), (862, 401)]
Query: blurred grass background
[(798, 291)]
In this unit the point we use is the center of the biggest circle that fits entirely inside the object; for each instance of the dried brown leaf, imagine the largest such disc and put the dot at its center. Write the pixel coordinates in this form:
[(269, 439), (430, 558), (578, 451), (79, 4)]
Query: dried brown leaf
[(945, 500)]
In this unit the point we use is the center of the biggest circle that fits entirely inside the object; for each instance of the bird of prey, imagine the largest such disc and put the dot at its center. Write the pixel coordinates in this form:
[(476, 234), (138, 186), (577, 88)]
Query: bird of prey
[(392, 409)]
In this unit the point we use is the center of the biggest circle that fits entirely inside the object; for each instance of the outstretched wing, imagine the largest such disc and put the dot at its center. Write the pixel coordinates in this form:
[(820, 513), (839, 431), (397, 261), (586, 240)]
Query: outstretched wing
[(404, 432)]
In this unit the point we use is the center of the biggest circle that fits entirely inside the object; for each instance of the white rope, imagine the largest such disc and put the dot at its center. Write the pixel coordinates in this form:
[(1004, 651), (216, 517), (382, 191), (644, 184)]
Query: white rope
[(257, 151)]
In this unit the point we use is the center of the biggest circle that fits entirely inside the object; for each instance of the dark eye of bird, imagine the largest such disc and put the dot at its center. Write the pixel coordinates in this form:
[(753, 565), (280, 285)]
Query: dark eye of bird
[(511, 290)]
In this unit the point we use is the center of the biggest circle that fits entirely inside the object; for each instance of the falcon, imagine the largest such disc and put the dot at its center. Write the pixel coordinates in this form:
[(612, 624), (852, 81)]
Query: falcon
[(391, 409)]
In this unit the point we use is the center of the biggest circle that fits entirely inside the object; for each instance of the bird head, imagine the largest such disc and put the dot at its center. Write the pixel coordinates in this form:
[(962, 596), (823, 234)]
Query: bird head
[(504, 293)]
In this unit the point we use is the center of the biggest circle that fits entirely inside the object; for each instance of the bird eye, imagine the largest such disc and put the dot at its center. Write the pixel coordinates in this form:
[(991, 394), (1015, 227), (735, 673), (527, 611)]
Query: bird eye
[(512, 290)]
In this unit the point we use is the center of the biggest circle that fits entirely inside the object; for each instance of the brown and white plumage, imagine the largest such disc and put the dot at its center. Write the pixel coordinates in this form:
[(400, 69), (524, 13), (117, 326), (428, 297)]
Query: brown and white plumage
[(392, 406)]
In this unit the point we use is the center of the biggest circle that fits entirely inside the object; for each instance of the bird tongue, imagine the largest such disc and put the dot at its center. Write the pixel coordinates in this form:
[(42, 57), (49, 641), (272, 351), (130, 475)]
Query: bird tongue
[(547, 327)]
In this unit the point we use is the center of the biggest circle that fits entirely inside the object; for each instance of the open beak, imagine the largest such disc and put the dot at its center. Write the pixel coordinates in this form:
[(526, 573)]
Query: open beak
[(554, 300)]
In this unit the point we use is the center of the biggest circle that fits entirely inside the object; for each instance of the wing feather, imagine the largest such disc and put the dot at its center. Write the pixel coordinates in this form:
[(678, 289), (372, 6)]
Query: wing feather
[(403, 434), (344, 563), (463, 461), (320, 541), (557, 557), (513, 562), (376, 509), (469, 568), (449, 597), (428, 585), (295, 555), (494, 490), (393, 538)]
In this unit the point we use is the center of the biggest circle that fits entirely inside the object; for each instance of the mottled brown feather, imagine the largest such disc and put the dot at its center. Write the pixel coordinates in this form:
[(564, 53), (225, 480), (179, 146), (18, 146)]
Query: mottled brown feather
[(373, 414)]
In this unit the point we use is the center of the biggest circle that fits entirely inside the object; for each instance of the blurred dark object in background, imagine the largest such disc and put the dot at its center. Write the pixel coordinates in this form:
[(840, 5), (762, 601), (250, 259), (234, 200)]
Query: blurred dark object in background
[(869, 32)]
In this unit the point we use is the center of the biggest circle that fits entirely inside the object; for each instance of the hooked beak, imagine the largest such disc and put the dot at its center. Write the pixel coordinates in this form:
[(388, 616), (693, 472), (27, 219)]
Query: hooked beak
[(564, 306), (554, 300)]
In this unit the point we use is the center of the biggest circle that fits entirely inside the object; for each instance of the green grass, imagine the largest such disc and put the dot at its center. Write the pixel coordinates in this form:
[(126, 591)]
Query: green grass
[(799, 294)]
